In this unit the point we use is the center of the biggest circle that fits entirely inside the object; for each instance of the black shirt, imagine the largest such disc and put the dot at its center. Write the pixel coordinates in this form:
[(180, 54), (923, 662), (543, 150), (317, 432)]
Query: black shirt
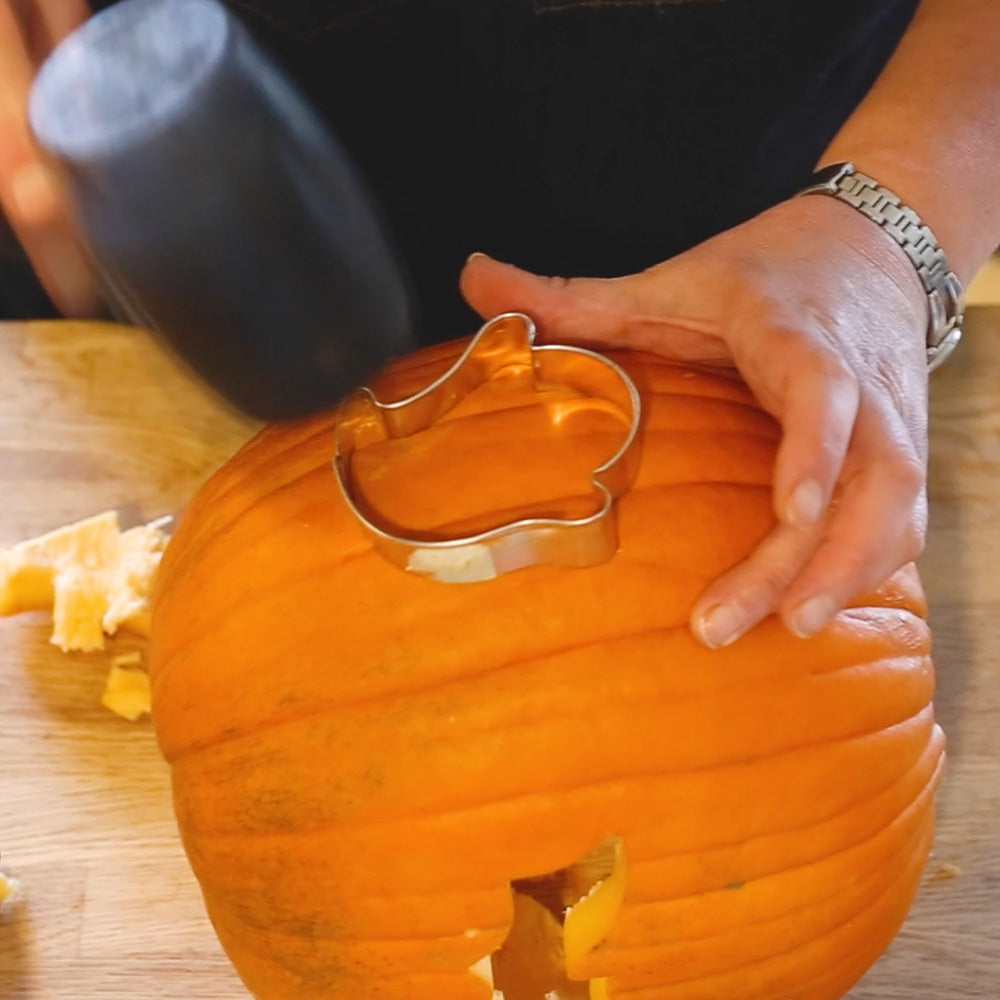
[(575, 136)]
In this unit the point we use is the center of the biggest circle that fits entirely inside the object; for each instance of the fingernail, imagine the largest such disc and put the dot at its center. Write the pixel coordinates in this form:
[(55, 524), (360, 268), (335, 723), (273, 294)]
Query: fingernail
[(720, 626), (474, 255), (805, 505), (810, 616)]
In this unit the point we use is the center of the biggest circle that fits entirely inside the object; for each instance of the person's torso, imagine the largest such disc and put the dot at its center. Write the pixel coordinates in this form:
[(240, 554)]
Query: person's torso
[(575, 136)]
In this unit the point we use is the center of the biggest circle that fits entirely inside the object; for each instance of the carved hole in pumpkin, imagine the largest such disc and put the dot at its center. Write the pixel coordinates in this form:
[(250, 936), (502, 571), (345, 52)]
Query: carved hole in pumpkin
[(511, 449), (559, 918)]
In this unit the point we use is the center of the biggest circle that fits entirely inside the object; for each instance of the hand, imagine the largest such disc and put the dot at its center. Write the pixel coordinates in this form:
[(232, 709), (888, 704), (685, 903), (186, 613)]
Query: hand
[(825, 319), (30, 194)]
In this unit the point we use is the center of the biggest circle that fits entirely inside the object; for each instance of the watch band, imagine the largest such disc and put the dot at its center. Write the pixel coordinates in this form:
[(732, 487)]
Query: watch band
[(945, 294)]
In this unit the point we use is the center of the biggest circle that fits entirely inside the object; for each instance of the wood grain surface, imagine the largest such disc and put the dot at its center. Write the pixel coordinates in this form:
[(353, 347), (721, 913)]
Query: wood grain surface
[(95, 416)]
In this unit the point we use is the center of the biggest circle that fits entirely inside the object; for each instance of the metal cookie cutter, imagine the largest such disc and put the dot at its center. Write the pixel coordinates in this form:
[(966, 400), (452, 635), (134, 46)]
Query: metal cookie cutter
[(504, 341)]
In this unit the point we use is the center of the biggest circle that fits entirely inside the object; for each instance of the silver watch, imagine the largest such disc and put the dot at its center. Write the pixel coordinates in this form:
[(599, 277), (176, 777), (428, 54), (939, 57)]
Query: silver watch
[(945, 294)]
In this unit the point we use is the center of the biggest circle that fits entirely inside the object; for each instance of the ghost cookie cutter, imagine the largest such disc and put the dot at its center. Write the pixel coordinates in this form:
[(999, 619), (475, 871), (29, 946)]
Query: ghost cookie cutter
[(505, 340)]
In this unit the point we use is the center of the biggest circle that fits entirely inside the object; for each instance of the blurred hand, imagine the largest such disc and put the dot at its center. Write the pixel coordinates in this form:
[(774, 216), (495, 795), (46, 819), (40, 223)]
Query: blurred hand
[(30, 195), (825, 319)]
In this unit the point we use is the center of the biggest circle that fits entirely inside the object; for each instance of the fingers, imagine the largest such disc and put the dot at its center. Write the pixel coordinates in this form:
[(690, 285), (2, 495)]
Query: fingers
[(30, 195), (34, 207), (877, 526), (818, 409), (735, 602), (807, 574)]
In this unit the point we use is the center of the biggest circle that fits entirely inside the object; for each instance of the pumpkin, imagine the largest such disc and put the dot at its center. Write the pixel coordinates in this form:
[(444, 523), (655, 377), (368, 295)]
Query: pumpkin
[(393, 788)]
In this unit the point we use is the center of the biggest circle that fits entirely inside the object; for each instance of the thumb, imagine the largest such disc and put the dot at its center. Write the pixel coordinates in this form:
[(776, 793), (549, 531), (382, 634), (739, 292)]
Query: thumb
[(588, 309), (642, 311)]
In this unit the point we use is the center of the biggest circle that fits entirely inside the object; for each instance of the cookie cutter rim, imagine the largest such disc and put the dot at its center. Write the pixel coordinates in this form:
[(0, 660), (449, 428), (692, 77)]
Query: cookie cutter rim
[(503, 341)]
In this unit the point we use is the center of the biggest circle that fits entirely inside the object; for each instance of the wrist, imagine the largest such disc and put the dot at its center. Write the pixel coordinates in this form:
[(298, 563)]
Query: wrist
[(960, 221), (941, 285)]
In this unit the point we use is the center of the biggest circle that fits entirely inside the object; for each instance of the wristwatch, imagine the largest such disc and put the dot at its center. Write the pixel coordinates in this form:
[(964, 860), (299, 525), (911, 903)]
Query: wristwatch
[(945, 294)]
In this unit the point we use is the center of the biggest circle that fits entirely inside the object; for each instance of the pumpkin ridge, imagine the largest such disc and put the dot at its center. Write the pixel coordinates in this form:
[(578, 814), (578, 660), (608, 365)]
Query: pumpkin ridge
[(163, 663), (862, 612), (196, 548), (659, 422), (683, 378), (255, 463), (259, 463), (403, 938), (917, 721), (874, 866), (195, 542), (808, 924), (909, 872), (828, 985), (428, 919), (246, 464), (746, 404), (932, 751), (624, 706), (502, 664), (926, 785), (473, 525), (503, 409), (659, 991), (213, 528), (346, 977), (914, 818), (650, 488)]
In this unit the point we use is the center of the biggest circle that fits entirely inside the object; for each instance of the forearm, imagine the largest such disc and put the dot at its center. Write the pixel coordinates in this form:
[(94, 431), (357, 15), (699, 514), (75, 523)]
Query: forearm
[(930, 127)]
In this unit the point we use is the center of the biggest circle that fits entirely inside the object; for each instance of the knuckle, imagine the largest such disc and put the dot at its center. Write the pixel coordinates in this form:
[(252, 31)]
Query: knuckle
[(770, 581), (778, 562)]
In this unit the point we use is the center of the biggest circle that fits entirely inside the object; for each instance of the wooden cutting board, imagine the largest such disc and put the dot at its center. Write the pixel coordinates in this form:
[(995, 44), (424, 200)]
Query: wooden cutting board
[(94, 416)]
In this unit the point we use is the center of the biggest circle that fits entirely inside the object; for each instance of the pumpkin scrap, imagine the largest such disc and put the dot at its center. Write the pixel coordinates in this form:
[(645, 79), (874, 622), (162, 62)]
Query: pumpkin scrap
[(92, 575), (386, 784), (126, 691)]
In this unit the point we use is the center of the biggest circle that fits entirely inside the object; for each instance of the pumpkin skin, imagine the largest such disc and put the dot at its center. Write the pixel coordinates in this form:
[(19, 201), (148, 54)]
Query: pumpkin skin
[(363, 760)]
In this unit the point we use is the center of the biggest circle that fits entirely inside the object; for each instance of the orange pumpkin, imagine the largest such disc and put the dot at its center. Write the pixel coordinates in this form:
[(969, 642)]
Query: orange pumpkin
[(375, 772)]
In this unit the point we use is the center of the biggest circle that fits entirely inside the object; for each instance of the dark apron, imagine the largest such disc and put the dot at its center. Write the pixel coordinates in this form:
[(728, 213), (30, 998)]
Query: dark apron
[(575, 137)]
